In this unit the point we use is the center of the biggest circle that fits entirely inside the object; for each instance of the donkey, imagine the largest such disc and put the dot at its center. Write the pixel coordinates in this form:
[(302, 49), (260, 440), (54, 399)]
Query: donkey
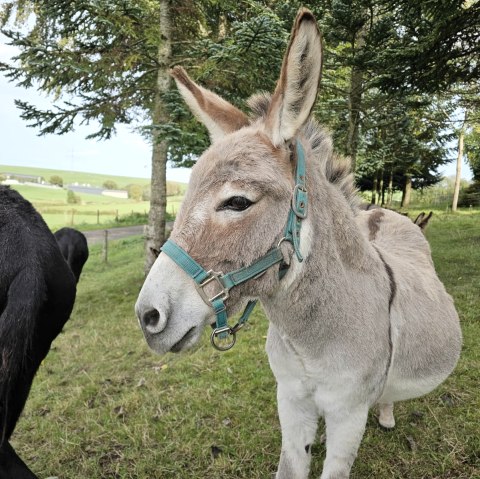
[(37, 292), (357, 315), (74, 248), (422, 220)]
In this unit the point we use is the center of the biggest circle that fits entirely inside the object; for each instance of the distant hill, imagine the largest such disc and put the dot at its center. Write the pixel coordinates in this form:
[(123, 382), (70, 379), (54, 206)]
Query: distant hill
[(81, 177)]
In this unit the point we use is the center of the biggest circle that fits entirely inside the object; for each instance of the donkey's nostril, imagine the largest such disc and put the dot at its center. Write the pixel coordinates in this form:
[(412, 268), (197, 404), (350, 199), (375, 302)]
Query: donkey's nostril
[(151, 318)]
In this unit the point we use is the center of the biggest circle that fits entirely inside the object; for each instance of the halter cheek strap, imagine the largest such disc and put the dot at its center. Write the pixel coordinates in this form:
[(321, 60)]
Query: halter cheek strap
[(225, 282)]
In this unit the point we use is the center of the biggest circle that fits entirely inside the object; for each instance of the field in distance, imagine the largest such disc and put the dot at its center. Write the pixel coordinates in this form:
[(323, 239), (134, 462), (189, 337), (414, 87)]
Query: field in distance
[(92, 210)]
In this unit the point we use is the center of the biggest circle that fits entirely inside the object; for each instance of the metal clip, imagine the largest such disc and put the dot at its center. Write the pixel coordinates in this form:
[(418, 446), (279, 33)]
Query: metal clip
[(231, 336), (212, 276)]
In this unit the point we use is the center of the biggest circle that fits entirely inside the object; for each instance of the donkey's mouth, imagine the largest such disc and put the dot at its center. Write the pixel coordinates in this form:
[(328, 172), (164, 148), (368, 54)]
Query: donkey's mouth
[(183, 343)]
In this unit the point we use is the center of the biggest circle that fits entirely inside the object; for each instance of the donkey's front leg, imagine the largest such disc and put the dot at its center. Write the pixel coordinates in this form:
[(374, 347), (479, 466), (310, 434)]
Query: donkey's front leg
[(345, 428), (298, 419)]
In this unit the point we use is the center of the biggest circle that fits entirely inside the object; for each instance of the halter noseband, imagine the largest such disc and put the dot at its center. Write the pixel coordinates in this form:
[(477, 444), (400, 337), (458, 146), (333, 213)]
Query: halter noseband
[(227, 281)]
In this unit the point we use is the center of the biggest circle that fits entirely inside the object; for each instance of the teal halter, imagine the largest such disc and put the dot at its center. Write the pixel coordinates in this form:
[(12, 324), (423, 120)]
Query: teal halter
[(227, 281)]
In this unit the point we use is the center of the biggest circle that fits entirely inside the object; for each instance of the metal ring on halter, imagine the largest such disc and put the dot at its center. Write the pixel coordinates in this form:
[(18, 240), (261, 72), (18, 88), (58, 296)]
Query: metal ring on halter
[(281, 241), (218, 331)]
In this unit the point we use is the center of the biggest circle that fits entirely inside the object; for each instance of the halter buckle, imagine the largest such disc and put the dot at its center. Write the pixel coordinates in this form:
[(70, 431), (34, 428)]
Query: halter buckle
[(299, 201), (223, 344), (212, 276)]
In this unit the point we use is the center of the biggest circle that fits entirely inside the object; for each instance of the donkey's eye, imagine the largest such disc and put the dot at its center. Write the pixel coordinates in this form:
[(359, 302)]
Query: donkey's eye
[(235, 203)]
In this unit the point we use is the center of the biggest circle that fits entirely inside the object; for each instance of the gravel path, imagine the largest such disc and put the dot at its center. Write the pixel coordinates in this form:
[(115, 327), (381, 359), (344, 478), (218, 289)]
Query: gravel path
[(96, 236)]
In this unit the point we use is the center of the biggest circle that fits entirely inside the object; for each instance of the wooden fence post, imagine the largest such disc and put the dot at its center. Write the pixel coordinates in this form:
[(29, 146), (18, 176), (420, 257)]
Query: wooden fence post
[(105, 247), (98, 217)]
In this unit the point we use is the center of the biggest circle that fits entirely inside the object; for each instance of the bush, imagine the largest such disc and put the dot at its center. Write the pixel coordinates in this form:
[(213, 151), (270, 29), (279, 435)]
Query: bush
[(56, 180), (110, 185), (135, 192), (72, 198), (470, 196)]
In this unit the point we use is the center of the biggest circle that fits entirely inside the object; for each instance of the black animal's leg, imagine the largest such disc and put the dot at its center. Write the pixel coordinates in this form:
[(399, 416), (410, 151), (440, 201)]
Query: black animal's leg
[(11, 466)]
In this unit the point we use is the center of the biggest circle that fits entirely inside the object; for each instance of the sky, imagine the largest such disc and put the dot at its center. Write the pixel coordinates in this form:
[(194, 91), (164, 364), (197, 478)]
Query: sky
[(125, 154)]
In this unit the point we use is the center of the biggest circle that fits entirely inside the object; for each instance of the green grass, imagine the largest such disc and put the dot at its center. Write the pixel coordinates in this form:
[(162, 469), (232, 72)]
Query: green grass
[(103, 406), (52, 205)]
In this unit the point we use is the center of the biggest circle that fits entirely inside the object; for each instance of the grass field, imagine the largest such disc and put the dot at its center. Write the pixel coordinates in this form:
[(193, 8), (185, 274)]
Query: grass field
[(94, 179), (93, 211), (104, 407)]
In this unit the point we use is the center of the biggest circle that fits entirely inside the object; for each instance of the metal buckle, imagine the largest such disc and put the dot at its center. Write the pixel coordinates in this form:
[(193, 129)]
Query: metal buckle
[(212, 276), (232, 337), (299, 214)]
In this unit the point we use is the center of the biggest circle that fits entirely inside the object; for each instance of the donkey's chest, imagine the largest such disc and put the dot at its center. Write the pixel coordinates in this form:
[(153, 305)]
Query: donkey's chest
[(300, 371)]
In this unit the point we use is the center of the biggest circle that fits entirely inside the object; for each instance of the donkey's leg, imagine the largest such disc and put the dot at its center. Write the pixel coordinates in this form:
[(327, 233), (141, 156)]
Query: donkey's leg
[(298, 419), (345, 428), (386, 417)]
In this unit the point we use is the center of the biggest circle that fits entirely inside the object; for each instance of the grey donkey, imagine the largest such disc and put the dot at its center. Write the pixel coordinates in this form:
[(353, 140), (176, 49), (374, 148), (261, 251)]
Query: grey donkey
[(362, 320)]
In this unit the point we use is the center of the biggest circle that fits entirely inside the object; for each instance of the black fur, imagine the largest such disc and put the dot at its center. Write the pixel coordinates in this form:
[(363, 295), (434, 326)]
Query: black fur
[(37, 292), (74, 248)]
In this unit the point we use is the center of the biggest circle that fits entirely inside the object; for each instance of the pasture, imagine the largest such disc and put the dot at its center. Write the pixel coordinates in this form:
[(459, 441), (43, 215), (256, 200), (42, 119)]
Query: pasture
[(103, 406), (94, 211)]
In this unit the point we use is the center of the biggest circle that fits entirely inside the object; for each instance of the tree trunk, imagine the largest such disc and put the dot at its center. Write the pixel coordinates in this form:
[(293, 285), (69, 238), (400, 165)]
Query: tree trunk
[(456, 190), (355, 103), (390, 188), (155, 231), (374, 189), (380, 196), (407, 191)]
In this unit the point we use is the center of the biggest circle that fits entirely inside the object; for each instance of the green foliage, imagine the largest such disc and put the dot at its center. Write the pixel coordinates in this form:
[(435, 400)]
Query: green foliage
[(56, 180), (472, 150), (470, 196), (72, 198), (135, 192), (110, 185)]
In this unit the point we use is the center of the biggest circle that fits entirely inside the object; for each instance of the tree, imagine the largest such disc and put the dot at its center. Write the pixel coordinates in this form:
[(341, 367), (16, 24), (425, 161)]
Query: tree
[(56, 180), (135, 192), (458, 176), (103, 63), (73, 198), (110, 185)]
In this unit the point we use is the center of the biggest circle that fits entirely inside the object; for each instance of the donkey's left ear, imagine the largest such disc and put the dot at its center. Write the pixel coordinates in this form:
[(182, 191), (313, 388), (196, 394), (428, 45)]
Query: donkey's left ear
[(219, 116), (297, 87)]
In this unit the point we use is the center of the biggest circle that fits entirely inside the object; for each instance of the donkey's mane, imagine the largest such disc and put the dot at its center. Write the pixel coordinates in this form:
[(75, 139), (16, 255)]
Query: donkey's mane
[(337, 169)]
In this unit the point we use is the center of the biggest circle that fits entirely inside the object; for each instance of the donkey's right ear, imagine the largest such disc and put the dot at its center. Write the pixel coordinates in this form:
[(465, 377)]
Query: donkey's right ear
[(297, 87), (219, 116)]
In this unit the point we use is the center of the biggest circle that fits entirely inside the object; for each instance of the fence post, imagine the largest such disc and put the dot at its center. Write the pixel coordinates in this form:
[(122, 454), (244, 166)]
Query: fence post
[(98, 217), (116, 216), (105, 246), (72, 221)]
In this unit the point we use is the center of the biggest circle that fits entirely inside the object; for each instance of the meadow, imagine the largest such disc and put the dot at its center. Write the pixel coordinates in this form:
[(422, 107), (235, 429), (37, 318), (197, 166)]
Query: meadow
[(104, 407), (93, 211)]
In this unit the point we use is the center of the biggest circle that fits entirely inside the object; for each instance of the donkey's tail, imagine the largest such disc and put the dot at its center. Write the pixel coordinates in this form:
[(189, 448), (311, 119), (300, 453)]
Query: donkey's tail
[(24, 298)]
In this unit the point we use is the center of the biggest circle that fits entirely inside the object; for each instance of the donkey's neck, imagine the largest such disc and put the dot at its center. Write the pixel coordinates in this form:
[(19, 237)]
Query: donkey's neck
[(324, 291)]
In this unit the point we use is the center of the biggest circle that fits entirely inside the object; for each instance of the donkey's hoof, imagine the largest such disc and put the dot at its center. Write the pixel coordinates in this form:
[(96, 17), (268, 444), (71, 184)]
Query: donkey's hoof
[(387, 424), (385, 416)]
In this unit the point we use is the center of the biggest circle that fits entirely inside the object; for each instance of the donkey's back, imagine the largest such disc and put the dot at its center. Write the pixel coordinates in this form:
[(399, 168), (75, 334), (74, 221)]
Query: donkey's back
[(425, 330)]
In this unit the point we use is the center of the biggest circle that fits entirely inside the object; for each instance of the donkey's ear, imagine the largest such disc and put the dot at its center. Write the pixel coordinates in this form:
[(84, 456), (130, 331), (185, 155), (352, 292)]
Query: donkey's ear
[(219, 116), (297, 87)]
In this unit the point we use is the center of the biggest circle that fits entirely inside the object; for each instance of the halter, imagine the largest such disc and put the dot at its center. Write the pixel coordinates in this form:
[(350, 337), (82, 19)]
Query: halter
[(227, 281)]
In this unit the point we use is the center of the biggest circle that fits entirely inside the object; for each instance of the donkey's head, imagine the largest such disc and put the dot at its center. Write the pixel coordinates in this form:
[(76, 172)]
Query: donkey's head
[(239, 195)]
